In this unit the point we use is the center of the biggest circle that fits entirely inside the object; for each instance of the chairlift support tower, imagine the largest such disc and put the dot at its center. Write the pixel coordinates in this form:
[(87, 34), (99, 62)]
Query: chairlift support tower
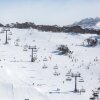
[(76, 75), (6, 30), (32, 55)]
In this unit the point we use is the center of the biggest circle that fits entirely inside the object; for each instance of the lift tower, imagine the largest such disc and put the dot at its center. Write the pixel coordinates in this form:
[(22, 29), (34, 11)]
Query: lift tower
[(33, 55), (6, 30), (75, 75)]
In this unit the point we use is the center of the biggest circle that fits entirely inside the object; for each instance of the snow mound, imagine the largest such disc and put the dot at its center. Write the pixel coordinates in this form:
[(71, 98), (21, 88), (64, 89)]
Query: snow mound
[(10, 92)]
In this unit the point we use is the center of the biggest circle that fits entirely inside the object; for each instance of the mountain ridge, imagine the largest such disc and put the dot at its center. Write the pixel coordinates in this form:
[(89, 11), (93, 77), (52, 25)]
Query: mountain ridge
[(84, 26), (87, 23)]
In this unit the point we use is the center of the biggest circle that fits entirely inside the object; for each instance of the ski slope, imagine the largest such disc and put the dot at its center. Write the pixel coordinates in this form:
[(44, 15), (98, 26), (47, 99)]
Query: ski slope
[(22, 79)]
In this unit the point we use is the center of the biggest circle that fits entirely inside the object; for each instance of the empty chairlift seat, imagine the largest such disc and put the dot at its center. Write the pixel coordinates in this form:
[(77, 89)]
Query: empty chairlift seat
[(16, 44), (45, 59), (44, 66), (81, 80), (68, 78), (24, 49), (68, 74), (55, 67)]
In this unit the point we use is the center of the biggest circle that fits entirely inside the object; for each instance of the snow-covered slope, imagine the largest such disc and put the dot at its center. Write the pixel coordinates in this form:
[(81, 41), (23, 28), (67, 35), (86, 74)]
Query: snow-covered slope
[(46, 79)]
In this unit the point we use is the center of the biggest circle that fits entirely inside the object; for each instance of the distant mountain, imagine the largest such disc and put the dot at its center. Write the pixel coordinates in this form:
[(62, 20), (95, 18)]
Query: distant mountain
[(89, 23)]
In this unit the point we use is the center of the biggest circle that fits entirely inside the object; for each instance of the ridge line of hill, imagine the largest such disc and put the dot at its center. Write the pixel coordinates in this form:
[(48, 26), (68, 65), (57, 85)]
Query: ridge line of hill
[(52, 28)]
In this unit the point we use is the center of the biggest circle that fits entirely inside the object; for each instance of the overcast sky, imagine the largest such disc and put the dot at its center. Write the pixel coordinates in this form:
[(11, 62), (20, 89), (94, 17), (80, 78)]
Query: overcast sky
[(60, 12)]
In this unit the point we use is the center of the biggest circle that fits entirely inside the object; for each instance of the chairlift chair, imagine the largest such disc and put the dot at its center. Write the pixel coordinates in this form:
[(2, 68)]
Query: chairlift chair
[(16, 44), (44, 66), (57, 89), (10, 33), (99, 89), (82, 90), (24, 49), (2, 31), (95, 94), (45, 59), (81, 80), (56, 73), (92, 98), (67, 74), (35, 50), (68, 78), (55, 67), (9, 38)]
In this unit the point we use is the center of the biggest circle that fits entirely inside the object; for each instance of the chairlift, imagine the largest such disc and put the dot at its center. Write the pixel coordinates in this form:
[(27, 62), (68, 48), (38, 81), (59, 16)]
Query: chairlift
[(82, 90), (34, 53), (56, 73), (67, 74), (57, 89), (35, 50), (44, 66), (10, 33), (18, 40), (95, 94), (68, 78), (99, 89), (9, 38), (33, 40), (45, 59), (24, 49), (35, 57), (26, 46), (55, 67), (2, 31), (81, 80), (92, 98), (16, 44)]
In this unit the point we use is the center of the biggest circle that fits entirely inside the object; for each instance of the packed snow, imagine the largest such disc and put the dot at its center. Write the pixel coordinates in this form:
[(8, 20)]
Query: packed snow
[(48, 78)]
